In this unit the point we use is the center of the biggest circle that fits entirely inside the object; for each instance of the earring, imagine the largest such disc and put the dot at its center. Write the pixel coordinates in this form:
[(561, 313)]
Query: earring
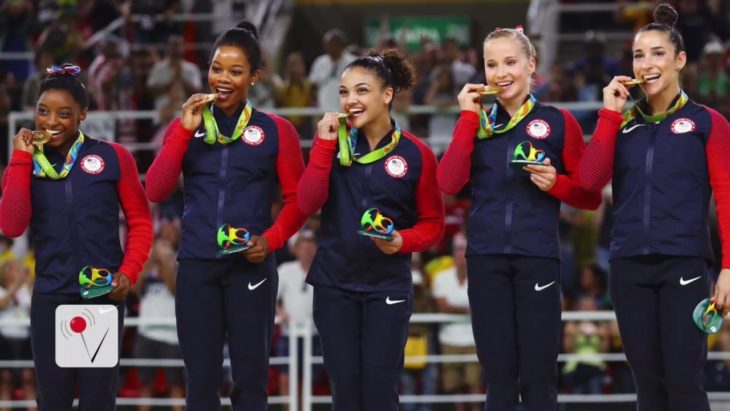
[(252, 83)]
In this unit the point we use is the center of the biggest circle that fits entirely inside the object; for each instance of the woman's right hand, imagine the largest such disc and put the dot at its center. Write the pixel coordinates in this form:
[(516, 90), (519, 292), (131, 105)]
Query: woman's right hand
[(615, 94), (192, 111), (22, 141), (469, 98), (327, 126)]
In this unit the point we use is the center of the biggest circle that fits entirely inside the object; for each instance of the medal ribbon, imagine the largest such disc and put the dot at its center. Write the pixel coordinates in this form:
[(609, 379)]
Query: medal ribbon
[(348, 140), (656, 118), (42, 168), (486, 128), (212, 134)]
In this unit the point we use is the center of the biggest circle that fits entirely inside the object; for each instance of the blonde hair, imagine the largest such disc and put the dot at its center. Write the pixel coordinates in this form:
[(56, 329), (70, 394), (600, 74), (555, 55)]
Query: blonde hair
[(518, 34)]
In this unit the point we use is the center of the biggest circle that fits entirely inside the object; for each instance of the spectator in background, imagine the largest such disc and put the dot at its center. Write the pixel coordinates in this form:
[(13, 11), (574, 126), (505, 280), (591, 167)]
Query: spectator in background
[(589, 339), (295, 299), (64, 35), (149, 30), (15, 294), (592, 284), (173, 75), (264, 94), (595, 69), (5, 107), (104, 73), (442, 95), (419, 373), (156, 288), (713, 81), (6, 249), (31, 86), (297, 91), (450, 293), (327, 68), (461, 71), (17, 27), (698, 26)]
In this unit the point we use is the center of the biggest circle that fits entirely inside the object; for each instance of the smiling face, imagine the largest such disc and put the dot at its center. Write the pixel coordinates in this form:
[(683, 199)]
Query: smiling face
[(230, 76), (657, 62), (58, 112), (363, 96), (507, 65)]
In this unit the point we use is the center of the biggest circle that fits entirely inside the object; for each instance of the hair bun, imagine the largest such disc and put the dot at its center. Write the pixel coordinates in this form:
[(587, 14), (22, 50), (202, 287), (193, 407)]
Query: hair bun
[(248, 26), (664, 13)]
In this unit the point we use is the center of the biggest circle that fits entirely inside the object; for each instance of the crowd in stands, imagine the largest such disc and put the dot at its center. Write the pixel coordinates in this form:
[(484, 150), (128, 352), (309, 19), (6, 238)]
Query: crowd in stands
[(151, 67)]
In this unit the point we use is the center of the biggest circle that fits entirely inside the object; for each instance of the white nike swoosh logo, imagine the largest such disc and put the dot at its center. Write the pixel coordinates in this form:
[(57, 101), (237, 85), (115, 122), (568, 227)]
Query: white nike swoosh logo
[(391, 302), (255, 286), (106, 310), (539, 287), (682, 281), (199, 134), (628, 130)]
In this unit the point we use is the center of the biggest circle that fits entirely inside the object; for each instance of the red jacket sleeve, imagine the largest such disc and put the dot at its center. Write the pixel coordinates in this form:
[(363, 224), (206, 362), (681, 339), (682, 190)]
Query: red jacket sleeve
[(289, 169), (429, 227), (315, 183), (455, 167), (717, 145), (596, 167), (15, 203), (139, 223), (161, 178), (567, 187)]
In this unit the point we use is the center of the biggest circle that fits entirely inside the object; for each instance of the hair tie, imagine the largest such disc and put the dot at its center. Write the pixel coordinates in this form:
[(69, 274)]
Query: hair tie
[(497, 29), (72, 71), (520, 28)]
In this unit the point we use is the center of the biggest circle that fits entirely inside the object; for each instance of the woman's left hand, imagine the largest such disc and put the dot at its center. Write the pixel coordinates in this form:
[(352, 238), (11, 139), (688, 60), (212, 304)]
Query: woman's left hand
[(120, 284), (392, 246), (544, 177), (259, 249), (721, 297)]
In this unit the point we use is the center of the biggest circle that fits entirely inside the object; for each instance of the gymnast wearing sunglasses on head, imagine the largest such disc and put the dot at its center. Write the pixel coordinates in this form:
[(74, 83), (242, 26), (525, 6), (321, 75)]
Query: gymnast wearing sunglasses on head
[(69, 187)]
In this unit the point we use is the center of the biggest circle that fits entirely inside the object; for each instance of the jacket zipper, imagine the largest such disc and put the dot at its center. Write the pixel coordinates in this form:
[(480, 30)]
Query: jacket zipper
[(649, 166)]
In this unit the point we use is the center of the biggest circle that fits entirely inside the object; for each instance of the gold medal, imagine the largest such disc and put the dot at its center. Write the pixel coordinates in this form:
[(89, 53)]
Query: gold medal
[(41, 137), (490, 90)]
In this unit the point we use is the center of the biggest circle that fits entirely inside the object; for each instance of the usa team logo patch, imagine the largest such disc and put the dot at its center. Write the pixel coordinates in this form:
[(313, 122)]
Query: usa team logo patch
[(683, 125), (92, 164), (396, 166), (253, 135), (538, 129)]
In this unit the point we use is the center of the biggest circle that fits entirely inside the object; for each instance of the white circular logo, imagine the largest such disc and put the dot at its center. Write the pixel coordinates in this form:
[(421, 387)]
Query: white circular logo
[(396, 166), (539, 129), (253, 135), (92, 164), (682, 125)]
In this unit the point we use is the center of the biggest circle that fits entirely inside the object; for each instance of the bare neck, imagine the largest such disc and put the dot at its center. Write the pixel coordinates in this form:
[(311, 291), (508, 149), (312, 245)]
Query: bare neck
[(376, 130), (514, 104), (659, 103)]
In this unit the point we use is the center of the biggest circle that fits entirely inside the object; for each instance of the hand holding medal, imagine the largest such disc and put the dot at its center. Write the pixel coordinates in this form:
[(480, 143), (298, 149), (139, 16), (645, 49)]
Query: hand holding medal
[(232, 240), (706, 317), (382, 230), (192, 110), (23, 141), (95, 282), (327, 126)]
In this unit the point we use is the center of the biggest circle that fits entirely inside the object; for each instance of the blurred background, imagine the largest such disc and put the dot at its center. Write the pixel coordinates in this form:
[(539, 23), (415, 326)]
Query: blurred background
[(141, 59)]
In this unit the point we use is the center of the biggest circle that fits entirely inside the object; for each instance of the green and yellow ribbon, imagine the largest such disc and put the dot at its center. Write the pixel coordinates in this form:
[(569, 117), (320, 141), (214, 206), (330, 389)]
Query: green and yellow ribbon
[(656, 118), (213, 134), (42, 168), (486, 122), (347, 139)]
